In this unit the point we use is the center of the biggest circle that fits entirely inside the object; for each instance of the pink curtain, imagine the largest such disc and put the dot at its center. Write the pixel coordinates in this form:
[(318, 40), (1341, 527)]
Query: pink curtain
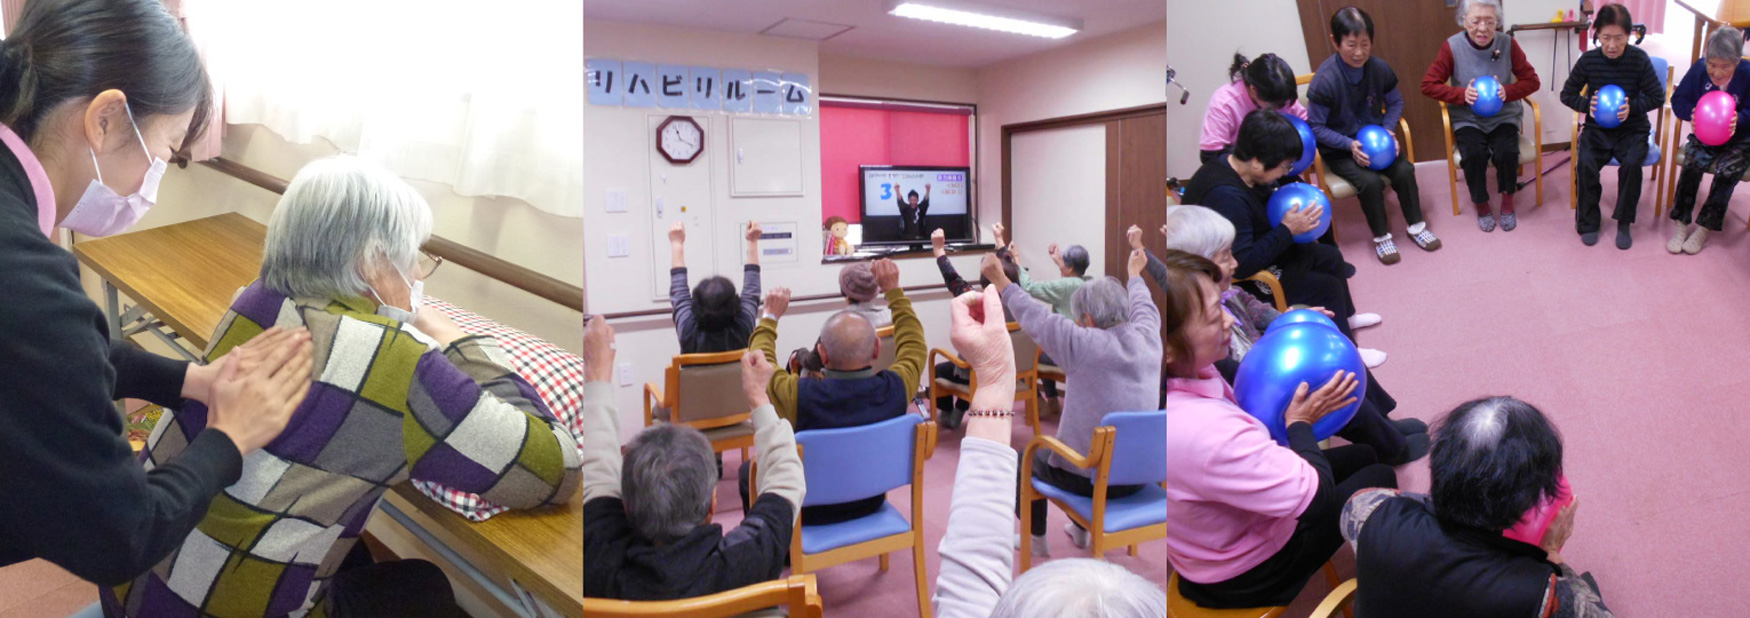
[(11, 10), (1649, 12)]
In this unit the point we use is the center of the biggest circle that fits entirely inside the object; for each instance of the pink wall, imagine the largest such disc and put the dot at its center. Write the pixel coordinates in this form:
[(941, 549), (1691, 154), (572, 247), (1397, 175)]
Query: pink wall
[(851, 137)]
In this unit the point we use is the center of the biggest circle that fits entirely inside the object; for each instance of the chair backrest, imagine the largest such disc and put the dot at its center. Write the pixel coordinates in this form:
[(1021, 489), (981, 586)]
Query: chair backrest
[(884, 358), (1139, 447), (852, 463), (707, 386), (797, 591), (1662, 67), (1026, 351)]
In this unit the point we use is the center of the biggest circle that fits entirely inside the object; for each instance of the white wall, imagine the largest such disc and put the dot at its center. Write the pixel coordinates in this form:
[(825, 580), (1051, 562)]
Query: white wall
[(1051, 169), (898, 80), (507, 228), (1122, 70), (1202, 37)]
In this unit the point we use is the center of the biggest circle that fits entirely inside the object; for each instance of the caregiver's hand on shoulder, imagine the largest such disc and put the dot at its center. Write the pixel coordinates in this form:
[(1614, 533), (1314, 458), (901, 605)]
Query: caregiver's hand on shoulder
[(1310, 407), (197, 383), (258, 388)]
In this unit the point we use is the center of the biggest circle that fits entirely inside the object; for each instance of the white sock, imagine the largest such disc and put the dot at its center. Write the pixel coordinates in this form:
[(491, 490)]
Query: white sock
[(1380, 239), (1417, 228)]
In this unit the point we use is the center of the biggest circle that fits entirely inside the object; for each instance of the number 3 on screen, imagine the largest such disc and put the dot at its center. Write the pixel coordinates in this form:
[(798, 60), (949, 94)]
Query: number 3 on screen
[(887, 190)]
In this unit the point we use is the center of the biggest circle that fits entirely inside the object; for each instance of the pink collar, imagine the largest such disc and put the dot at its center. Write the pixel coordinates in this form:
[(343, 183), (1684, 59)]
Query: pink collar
[(39, 180), (1208, 384)]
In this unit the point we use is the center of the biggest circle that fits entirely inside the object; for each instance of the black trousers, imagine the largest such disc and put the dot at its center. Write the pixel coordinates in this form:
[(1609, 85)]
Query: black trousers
[(1316, 275), (1597, 147), (1061, 479), (1369, 425), (1479, 149), (1726, 162), (363, 588), (1279, 579), (1370, 188)]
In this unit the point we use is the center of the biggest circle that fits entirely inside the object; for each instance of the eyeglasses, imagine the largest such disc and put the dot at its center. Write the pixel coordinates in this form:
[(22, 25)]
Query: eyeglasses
[(428, 264), (1483, 22)]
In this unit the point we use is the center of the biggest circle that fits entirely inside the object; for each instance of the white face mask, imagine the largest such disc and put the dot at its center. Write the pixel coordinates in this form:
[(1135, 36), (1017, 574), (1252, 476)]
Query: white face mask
[(415, 297), (103, 212)]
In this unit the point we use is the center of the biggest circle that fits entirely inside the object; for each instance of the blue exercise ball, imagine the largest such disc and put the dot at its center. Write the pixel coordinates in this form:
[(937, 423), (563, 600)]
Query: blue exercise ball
[(1377, 143), (1300, 316), (1305, 196), (1308, 146), (1281, 360), (1611, 99), (1489, 96)]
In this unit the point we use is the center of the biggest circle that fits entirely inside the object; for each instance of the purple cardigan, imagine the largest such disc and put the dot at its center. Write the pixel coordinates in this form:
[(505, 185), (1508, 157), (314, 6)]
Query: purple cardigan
[(1108, 370)]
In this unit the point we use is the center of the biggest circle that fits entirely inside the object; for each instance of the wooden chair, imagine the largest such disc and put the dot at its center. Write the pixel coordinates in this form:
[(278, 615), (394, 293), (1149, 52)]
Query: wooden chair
[(1530, 151), (1138, 458), (1655, 152), (703, 391), (796, 592), (1340, 598), (1026, 376), (1678, 158), (1334, 186), (1180, 607), (1277, 296), (884, 358), (854, 463)]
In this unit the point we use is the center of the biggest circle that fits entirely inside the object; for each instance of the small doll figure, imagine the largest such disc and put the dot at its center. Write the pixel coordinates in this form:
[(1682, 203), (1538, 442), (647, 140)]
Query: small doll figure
[(837, 228)]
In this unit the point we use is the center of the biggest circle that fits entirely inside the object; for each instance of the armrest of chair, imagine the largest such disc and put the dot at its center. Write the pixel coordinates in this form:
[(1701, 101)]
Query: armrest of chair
[(651, 393), (798, 591), (1409, 141), (939, 353), (1055, 445), (1446, 125), (930, 434), (1270, 281), (1339, 598)]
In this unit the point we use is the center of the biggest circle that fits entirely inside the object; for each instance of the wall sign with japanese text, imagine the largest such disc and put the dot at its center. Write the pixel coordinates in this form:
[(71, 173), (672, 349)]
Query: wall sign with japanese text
[(630, 83)]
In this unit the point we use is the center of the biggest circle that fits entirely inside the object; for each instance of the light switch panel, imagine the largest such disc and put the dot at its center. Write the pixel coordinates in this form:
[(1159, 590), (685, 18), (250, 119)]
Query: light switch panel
[(616, 200), (619, 245), (625, 374)]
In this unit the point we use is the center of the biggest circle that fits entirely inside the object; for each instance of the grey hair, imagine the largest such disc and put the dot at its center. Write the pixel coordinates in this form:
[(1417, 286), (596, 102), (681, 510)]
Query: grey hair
[(1727, 43), (1076, 258), (339, 218), (849, 340), (1107, 300), (667, 481), (1464, 7), (1082, 588), (1198, 230)]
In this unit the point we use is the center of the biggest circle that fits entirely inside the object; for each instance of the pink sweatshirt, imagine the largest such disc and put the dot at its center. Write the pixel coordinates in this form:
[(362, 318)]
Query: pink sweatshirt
[(1233, 494), (1227, 107)]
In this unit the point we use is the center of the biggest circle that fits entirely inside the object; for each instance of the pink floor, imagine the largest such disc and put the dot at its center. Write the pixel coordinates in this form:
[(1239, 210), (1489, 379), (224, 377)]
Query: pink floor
[(1638, 356)]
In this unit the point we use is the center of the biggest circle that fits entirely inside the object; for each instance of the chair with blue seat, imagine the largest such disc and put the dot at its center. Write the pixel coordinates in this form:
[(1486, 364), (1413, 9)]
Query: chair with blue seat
[(853, 463), (1128, 448), (1655, 150)]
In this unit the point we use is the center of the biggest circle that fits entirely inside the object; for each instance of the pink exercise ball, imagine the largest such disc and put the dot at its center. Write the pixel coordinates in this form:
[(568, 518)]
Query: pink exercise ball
[(1713, 117)]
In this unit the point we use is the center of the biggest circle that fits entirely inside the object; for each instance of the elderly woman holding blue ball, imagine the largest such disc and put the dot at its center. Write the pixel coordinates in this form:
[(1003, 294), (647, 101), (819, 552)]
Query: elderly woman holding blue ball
[(1200, 231), (1241, 187), (1491, 76), (1252, 519), (1351, 104), (1620, 79)]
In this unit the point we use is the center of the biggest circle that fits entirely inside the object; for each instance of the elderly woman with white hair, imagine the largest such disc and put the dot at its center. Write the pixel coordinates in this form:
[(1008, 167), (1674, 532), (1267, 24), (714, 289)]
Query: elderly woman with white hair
[(398, 393), (1721, 69), (1111, 352), (974, 579), (1203, 232), (1457, 551), (1480, 51)]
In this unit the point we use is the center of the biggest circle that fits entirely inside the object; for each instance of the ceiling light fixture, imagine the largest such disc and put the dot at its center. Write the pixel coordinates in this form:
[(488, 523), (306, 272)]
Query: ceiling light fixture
[(961, 14)]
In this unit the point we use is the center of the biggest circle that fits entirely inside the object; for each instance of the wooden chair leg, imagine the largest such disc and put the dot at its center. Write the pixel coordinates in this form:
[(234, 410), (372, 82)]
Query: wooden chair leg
[(1026, 509), (1133, 551), (884, 562), (1539, 165), (917, 567)]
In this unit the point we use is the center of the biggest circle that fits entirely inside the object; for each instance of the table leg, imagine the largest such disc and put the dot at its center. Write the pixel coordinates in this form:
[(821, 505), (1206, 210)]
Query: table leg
[(113, 308)]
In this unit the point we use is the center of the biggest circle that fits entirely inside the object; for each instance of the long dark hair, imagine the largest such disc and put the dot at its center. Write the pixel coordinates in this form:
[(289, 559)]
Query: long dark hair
[(62, 50), (1270, 75)]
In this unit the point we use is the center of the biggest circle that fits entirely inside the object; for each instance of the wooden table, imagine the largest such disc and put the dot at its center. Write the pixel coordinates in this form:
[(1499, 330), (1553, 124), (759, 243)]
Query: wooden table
[(183, 277)]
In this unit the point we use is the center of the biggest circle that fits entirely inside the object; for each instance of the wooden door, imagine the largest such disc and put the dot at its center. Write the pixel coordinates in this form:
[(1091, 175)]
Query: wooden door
[(1407, 36), (1136, 186)]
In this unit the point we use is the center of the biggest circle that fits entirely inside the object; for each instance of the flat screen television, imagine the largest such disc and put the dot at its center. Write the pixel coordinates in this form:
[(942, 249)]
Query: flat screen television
[(901, 205)]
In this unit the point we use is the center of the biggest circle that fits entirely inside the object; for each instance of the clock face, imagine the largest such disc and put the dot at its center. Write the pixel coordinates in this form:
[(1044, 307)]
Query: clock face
[(680, 139)]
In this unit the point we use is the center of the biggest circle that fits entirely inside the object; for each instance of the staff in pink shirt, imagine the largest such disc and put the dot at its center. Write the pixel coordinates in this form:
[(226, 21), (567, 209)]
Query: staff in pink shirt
[(1266, 83), (1248, 520)]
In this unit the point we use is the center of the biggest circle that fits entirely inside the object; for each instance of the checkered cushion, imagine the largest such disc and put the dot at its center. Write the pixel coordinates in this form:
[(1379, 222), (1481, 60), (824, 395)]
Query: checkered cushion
[(557, 376)]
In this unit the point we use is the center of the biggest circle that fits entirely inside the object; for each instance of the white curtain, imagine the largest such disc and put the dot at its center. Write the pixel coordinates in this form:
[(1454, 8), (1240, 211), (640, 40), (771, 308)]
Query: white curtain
[(486, 97)]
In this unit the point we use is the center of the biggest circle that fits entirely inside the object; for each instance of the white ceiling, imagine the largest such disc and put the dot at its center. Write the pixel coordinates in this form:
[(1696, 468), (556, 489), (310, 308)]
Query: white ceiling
[(875, 34)]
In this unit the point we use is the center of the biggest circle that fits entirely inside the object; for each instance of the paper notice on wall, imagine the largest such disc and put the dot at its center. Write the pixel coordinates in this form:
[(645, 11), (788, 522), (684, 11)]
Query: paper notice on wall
[(778, 242)]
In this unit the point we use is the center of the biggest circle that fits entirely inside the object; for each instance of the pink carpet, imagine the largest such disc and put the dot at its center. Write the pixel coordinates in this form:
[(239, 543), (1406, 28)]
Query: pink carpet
[(1636, 355), (861, 589)]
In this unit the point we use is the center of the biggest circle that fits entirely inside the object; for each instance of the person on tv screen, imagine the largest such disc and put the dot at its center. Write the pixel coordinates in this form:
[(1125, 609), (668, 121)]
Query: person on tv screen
[(912, 211)]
